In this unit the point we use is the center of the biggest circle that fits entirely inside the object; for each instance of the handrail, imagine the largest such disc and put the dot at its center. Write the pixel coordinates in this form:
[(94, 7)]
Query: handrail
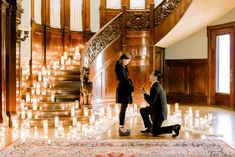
[(113, 31), (164, 9)]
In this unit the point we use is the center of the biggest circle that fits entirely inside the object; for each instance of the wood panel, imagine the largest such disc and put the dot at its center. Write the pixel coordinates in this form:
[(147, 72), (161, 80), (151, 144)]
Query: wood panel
[(103, 67), (186, 80), (3, 6)]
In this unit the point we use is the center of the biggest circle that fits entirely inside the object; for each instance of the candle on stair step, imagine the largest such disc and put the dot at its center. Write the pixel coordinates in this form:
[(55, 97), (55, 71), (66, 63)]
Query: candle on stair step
[(176, 106), (56, 121), (72, 111), (52, 96), (29, 114), (77, 104), (74, 121), (45, 126), (39, 76), (27, 97)]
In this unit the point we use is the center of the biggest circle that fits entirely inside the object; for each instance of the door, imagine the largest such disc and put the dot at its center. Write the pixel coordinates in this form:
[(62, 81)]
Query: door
[(222, 66)]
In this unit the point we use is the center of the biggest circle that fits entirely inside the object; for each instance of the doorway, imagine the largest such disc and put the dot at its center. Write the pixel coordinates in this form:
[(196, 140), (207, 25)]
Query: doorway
[(221, 65)]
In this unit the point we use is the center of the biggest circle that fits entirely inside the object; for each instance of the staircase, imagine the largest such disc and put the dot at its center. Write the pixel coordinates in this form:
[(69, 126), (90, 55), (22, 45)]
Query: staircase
[(55, 92)]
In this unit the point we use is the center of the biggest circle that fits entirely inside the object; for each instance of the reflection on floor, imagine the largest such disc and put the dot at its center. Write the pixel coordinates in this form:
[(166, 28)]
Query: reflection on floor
[(198, 122)]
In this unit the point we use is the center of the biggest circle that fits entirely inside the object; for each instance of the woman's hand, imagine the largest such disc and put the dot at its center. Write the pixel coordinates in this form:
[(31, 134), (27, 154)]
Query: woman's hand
[(143, 90)]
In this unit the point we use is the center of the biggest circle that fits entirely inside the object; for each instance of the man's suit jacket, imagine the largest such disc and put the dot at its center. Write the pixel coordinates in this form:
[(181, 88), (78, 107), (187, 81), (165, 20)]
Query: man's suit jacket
[(157, 102)]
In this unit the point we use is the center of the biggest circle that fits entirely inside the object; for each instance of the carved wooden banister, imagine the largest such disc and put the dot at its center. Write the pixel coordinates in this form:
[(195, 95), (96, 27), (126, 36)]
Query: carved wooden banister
[(164, 9), (138, 20), (100, 40)]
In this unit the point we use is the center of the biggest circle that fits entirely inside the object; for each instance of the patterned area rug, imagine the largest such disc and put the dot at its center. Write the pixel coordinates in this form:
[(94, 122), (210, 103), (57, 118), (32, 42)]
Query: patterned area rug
[(119, 148)]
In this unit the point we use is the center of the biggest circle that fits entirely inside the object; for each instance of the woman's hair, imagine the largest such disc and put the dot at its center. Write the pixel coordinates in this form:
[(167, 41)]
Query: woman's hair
[(125, 56)]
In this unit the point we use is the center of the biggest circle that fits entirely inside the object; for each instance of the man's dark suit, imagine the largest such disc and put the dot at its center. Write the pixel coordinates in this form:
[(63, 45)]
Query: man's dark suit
[(157, 110)]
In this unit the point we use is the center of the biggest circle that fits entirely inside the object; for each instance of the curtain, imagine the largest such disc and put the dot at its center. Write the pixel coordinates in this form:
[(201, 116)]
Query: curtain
[(37, 11), (134, 4), (76, 15), (113, 4), (55, 13), (95, 15)]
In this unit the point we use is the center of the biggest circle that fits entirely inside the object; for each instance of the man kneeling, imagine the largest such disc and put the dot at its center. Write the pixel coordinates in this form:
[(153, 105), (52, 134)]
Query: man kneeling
[(157, 109)]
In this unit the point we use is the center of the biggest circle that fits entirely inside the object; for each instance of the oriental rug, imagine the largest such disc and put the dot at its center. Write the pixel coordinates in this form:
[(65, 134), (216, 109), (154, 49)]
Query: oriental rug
[(119, 148)]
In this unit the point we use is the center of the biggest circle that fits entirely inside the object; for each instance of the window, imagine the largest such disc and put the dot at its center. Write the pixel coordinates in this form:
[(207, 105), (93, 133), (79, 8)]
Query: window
[(134, 4), (55, 13), (223, 63), (113, 4), (157, 2), (37, 11), (76, 15)]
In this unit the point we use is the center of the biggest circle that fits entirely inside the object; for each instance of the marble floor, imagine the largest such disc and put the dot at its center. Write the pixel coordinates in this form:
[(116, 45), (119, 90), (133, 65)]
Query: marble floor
[(222, 127)]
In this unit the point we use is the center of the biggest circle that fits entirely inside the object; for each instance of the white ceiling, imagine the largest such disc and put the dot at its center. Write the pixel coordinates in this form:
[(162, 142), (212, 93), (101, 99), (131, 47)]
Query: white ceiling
[(199, 15)]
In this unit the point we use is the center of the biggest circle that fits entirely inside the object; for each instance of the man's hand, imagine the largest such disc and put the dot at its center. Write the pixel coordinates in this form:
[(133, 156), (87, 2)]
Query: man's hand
[(143, 90)]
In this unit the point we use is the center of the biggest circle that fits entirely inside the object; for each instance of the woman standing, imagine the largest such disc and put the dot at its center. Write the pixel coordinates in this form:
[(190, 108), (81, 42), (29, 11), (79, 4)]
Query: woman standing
[(124, 90)]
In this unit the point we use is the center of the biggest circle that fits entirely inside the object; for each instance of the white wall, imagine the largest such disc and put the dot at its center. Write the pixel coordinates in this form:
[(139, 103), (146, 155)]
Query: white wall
[(195, 46)]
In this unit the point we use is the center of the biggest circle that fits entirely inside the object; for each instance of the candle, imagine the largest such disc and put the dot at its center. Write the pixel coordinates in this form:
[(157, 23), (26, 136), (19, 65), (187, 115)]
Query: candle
[(52, 96), (27, 97), (190, 111), (22, 114), (38, 89), (29, 114), (74, 121), (35, 104), (56, 121), (43, 71), (92, 119), (32, 90), (62, 60), (168, 109), (78, 126), (72, 111), (54, 66), (22, 104), (39, 76), (45, 84), (176, 106), (45, 126), (65, 55), (77, 104), (210, 118), (197, 114), (116, 108), (85, 111)]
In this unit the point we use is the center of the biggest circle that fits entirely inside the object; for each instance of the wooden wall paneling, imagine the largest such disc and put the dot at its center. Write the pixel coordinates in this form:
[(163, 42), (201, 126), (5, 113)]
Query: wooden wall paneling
[(3, 6), (55, 48), (37, 44), (186, 80), (140, 66), (104, 65), (87, 16), (32, 10)]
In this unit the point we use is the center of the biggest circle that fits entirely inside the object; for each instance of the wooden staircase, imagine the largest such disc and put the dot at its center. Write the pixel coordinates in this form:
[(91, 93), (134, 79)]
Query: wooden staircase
[(55, 92)]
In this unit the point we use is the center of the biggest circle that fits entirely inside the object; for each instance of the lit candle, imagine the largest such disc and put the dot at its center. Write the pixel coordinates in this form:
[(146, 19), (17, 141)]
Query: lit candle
[(190, 111), (45, 126), (85, 110), (45, 84), (32, 91), (44, 92), (62, 60), (22, 114), (38, 89), (39, 76), (197, 114), (74, 121), (92, 119), (56, 121), (54, 66), (22, 104), (72, 111), (116, 108), (43, 71), (15, 122), (76, 104), (29, 114), (78, 126), (65, 55), (168, 109), (27, 97), (176, 106), (35, 104), (52, 96)]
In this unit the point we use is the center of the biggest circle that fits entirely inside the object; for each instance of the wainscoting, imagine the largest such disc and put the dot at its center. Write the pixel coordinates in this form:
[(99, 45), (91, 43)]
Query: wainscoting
[(186, 80)]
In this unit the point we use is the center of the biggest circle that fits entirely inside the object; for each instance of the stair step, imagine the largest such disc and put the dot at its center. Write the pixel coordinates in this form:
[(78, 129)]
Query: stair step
[(50, 105), (65, 78), (67, 84)]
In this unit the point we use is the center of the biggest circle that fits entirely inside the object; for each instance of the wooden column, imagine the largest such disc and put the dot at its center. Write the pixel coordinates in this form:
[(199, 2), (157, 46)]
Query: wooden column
[(3, 6), (151, 39), (11, 60), (124, 42)]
